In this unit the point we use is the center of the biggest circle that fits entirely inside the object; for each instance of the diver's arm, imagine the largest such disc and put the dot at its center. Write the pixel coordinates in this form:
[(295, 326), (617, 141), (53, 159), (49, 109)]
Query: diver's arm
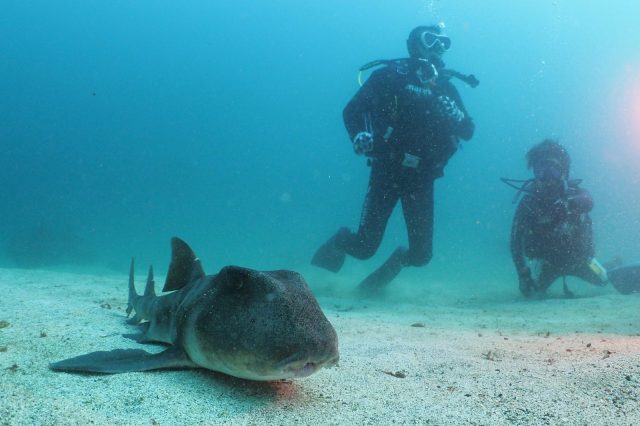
[(519, 228), (465, 129), (357, 114), (580, 201)]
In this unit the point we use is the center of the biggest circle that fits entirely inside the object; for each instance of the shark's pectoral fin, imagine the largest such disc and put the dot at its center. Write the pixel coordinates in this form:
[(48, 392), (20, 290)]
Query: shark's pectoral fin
[(124, 361), (134, 320), (143, 338)]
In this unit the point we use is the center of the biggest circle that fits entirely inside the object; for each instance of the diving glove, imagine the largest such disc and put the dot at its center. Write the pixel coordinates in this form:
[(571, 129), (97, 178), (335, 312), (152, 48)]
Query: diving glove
[(363, 143), (448, 110)]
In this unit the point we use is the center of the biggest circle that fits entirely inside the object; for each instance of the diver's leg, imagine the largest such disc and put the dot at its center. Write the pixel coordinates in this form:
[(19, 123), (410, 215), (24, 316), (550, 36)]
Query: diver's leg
[(382, 276), (585, 272), (417, 205), (381, 197), (548, 274)]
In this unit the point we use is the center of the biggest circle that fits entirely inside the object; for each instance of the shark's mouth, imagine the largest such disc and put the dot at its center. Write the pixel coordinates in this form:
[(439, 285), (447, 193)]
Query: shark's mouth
[(305, 367), (306, 370)]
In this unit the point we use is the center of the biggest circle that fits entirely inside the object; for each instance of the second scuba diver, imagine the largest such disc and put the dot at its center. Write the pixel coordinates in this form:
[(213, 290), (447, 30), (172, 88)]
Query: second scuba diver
[(552, 229), (407, 119), (552, 225)]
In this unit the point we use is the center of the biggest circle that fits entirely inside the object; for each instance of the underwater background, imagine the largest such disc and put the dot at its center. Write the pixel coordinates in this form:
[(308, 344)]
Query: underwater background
[(125, 123)]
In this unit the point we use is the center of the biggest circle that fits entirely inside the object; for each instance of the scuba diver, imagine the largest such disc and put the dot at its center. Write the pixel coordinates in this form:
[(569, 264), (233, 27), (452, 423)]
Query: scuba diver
[(552, 224), (552, 227), (407, 119)]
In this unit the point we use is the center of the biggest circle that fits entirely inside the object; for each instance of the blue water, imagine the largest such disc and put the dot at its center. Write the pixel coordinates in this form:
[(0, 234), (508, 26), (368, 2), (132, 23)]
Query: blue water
[(125, 123)]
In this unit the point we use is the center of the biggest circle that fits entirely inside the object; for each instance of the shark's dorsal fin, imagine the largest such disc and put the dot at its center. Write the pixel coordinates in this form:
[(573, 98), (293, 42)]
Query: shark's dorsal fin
[(184, 268)]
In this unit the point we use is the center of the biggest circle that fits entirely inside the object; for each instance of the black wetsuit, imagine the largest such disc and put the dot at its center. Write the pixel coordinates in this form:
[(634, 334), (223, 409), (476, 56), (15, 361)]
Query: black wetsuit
[(412, 144), (557, 232)]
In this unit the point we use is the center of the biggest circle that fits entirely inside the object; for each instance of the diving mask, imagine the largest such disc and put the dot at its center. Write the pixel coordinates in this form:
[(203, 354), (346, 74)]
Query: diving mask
[(548, 170), (433, 41)]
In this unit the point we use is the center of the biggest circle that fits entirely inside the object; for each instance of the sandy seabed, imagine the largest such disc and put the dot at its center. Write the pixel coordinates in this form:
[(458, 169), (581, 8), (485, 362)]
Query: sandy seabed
[(445, 361)]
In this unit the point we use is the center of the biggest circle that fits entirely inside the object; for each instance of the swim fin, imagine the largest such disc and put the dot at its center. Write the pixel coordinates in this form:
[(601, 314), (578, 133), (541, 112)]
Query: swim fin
[(382, 276), (330, 256), (625, 279)]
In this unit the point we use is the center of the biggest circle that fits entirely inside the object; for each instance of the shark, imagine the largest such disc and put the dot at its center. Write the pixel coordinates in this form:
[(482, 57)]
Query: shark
[(255, 325)]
